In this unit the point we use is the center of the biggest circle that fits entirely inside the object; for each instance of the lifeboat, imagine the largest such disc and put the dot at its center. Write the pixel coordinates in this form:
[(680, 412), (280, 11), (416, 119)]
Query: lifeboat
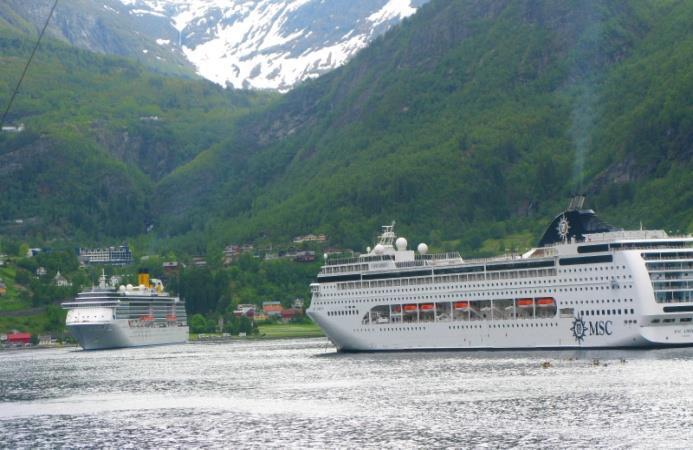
[(397, 309), (461, 306), (147, 317), (546, 302), (410, 308), (171, 317), (524, 302), (427, 307)]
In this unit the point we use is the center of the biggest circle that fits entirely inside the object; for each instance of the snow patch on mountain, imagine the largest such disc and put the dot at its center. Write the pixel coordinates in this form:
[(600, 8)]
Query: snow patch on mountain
[(272, 44)]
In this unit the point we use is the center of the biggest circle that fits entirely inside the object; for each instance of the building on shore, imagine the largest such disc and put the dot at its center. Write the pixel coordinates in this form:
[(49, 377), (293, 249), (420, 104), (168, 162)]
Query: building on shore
[(60, 280), (17, 338), (247, 310), (310, 238), (114, 256), (199, 261), (272, 309), (233, 251)]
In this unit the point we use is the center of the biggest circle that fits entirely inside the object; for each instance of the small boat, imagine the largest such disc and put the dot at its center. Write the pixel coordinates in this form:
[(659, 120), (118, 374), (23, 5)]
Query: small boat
[(525, 302), (461, 306), (427, 307), (545, 302), (410, 308)]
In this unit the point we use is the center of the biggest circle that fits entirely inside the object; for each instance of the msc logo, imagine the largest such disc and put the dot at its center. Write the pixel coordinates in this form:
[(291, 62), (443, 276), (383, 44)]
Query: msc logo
[(581, 329)]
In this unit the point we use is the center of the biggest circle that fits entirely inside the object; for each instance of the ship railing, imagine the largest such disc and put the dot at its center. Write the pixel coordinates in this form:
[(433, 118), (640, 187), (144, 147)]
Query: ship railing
[(405, 264), (81, 304), (358, 259), (511, 257)]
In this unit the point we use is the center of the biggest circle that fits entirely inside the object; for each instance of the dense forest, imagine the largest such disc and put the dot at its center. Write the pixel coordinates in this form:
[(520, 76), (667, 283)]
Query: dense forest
[(471, 121), (99, 133)]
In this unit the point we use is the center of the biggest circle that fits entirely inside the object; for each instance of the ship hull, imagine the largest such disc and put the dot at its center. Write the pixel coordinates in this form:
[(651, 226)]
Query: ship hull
[(119, 334), (539, 334)]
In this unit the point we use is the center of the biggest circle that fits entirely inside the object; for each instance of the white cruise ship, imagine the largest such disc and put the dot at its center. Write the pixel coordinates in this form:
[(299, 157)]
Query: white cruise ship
[(587, 285), (127, 316)]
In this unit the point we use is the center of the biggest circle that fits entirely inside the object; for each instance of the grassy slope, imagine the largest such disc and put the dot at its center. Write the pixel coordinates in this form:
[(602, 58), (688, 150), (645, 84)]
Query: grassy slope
[(292, 330)]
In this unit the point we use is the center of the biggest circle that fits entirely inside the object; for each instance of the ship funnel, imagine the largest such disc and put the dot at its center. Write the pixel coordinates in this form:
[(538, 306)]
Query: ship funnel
[(576, 202), (143, 277)]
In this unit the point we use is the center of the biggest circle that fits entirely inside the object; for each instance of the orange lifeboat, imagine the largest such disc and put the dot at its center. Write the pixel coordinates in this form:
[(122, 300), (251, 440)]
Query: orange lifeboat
[(462, 306), (147, 317), (410, 308), (171, 317), (397, 309), (546, 302), (524, 302), (427, 307)]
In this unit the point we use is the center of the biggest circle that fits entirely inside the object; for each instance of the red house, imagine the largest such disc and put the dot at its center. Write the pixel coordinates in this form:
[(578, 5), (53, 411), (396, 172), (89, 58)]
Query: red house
[(18, 338)]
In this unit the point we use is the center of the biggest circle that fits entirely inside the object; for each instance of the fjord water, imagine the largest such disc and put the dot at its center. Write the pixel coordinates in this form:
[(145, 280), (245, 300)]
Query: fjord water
[(300, 393)]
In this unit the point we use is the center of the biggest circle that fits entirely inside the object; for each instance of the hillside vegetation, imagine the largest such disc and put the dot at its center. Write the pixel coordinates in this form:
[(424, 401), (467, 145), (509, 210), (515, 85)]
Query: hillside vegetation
[(100, 131), (470, 121)]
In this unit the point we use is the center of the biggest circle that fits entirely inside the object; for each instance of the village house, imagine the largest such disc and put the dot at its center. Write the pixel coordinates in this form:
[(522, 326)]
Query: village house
[(61, 281), (291, 313), (13, 128), (246, 310), (33, 252), (199, 261), (18, 339), (272, 309), (305, 256), (310, 238), (41, 271), (170, 267), (233, 251), (115, 256)]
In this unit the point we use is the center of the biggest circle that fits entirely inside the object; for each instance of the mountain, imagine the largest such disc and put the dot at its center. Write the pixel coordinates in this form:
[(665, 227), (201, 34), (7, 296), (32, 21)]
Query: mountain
[(99, 132), (472, 120), (259, 44), (470, 123), (270, 44), (99, 26)]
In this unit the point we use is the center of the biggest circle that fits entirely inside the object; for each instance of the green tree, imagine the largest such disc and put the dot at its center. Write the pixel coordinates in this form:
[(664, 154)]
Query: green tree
[(198, 324)]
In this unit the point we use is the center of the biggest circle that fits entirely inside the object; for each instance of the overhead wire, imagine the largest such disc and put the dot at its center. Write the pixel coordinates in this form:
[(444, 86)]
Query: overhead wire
[(26, 67)]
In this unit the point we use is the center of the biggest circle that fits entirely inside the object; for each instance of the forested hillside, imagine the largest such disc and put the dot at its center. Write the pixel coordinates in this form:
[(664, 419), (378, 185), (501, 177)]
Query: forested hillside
[(99, 132), (471, 120)]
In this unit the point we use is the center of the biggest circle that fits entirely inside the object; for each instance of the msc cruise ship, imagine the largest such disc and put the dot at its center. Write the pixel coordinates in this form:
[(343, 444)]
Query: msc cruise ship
[(126, 316), (586, 285)]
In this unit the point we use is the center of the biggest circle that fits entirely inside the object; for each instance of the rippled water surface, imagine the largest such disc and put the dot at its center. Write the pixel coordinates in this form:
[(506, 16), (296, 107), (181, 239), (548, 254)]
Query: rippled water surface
[(300, 393)]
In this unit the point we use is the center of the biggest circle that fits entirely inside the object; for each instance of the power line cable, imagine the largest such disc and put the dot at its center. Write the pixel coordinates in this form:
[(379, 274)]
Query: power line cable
[(21, 78)]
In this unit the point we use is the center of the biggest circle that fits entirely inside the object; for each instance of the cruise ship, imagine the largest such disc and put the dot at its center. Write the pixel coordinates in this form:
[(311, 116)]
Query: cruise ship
[(586, 285), (126, 316)]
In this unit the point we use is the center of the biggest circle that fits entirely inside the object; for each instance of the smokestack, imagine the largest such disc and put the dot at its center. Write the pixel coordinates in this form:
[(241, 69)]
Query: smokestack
[(143, 277)]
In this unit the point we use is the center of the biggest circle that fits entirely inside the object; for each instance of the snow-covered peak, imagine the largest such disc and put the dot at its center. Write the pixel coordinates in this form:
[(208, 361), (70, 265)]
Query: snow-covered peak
[(270, 44)]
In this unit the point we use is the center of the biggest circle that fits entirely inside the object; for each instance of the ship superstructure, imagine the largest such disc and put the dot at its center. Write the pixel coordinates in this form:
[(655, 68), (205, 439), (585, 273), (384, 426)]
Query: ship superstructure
[(588, 285), (126, 316)]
